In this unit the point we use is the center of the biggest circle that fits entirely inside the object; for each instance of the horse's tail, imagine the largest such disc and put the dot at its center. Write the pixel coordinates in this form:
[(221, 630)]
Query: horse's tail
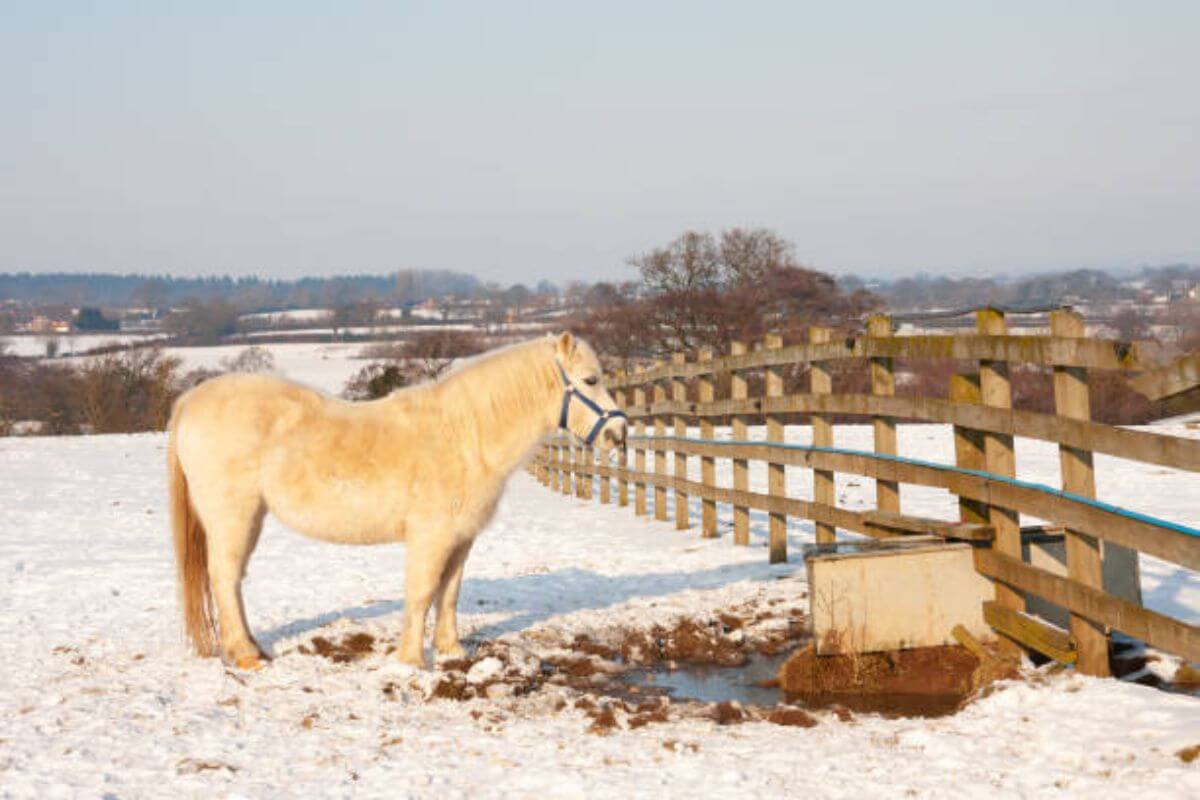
[(191, 553)]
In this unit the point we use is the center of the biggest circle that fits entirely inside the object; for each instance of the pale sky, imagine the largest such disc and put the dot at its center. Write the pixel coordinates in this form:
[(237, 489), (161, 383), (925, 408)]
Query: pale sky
[(519, 141)]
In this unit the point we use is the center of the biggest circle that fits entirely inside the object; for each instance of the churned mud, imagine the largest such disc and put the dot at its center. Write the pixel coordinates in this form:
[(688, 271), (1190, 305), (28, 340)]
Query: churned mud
[(926, 681), (746, 664)]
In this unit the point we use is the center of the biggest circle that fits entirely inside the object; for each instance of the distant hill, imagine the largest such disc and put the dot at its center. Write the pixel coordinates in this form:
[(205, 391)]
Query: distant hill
[(105, 289)]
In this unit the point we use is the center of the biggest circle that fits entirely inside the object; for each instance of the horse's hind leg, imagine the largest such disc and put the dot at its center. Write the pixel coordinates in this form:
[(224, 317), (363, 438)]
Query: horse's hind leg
[(231, 540)]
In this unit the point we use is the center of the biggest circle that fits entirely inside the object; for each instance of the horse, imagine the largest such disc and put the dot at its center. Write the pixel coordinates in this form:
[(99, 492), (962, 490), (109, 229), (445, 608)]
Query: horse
[(425, 465)]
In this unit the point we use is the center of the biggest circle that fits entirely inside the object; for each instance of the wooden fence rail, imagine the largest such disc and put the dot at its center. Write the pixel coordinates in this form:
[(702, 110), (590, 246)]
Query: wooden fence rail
[(984, 475)]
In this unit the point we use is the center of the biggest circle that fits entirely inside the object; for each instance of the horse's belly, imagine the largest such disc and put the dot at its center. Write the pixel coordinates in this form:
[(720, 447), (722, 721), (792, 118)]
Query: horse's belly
[(333, 514)]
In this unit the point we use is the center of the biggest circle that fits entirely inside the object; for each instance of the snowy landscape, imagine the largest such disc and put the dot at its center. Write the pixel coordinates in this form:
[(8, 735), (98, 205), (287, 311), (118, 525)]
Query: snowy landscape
[(101, 698)]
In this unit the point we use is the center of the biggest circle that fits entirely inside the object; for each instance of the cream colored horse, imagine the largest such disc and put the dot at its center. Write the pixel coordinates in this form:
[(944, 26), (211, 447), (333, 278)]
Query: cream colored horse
[(424, 465)]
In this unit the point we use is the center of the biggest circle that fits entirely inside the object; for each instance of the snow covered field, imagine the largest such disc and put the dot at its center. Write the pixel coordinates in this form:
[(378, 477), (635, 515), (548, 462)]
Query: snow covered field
[(34, 345), (98, 696), (323, 366)]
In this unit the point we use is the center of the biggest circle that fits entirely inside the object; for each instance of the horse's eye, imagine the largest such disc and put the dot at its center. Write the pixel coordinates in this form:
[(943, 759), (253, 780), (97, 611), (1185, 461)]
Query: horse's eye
[(591, 381)]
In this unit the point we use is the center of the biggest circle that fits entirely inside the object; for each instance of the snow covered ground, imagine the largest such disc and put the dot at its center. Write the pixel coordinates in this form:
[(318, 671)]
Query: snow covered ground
[(34, 345), (323, 366), (98, 696)]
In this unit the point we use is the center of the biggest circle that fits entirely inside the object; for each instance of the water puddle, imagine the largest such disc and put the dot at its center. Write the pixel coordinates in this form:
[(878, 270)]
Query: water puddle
[(755, 685), (707, 683)]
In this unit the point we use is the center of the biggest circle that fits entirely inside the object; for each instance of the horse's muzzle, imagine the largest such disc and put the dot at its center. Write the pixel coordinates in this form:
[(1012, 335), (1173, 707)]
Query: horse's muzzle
[(614, 434)]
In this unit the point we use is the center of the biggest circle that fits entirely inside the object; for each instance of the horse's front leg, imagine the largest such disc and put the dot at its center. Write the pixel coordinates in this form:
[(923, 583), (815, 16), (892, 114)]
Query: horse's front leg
[(445, 634), (426, 565)]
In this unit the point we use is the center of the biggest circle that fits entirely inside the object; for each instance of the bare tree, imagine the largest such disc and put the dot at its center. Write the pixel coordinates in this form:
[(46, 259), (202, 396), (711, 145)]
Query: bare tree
[(252, 359), (690, 263), (430, 353)]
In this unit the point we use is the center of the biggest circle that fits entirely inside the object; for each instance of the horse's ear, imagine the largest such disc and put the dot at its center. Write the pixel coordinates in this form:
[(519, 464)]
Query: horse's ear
[(566, 344)]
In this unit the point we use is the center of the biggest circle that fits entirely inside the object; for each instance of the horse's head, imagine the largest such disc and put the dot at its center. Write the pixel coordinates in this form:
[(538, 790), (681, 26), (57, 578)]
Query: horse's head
[(587, 409)]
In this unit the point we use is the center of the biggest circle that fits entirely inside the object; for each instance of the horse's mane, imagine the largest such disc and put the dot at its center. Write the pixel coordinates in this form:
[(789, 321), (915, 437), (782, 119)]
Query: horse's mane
[(499, 386)]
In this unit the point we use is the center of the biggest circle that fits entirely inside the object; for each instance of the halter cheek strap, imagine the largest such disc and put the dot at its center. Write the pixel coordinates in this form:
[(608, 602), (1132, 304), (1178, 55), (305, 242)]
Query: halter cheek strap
[(571, 391)]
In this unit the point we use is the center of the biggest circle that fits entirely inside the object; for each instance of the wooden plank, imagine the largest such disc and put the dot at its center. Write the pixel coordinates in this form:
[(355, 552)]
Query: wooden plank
[(926, 526), (1078, 476), (776, 473), (639, 455), (679, 395), (1150, 627), (968, 443), (623, 483), (708, 464), (821, 382), (741, 468), (1031, 632), (1181, 375), (995, 390), (883, 383), (1153, 448), (660, 456), (1042, 350), (842, 518), (1162, 541)]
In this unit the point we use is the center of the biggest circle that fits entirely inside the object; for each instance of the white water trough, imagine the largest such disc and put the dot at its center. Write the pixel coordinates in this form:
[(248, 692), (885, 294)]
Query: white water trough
[(894, 594)]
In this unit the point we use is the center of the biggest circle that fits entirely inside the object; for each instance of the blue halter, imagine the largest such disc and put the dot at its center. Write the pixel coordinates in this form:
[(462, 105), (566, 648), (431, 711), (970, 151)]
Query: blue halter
[(570, 390)]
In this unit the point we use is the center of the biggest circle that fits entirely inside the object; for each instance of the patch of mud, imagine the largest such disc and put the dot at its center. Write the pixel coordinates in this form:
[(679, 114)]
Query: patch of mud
[(925, 681), (349, 648), (719, 667)]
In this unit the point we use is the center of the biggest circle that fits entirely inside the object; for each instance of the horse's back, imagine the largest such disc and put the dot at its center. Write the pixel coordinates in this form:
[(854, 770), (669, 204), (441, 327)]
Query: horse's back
[(232, 418)]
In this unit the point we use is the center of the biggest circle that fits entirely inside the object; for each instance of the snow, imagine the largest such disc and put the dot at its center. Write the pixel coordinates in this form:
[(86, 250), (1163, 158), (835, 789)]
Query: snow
[(100, 698), (34, 345), (323, 366)]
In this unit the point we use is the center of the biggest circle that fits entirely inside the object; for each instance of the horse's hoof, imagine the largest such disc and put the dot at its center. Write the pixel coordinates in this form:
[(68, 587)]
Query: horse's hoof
[(416, 662), (251, 662), (454, 651)]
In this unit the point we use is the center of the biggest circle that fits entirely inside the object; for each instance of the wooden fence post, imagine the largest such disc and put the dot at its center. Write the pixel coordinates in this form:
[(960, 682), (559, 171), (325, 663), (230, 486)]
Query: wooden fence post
[(968, 444), (588, 459), (577, 460), (622, 479), (660, 455), (883, 383), (639, 453), (679, 395), (741, 468), (568, 458), (776, 473), (605, 482), (1078, 477), (708, 464), (995, 390), (821, 382)]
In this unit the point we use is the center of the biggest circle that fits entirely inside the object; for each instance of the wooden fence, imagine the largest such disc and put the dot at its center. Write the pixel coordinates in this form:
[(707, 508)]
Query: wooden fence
[(984, 475)]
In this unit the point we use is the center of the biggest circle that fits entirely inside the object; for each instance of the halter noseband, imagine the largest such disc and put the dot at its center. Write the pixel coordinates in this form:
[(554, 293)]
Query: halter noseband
[(570, 390)]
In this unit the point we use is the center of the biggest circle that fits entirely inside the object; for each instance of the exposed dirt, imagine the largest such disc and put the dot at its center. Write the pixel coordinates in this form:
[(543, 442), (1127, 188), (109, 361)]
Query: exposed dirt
[(343, 651), (1189, 754), (584, 672), (926, 681), (797, 717)]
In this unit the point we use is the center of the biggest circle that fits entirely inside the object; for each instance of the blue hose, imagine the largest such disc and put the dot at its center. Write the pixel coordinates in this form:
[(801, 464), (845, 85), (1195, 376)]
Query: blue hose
[(1037, 487)]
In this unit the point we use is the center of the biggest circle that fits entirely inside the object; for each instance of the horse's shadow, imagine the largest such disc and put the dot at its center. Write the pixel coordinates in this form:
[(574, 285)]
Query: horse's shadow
[(534, 597)]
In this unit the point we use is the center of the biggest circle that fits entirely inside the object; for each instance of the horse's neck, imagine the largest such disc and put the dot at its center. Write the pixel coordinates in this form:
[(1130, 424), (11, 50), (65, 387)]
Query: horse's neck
[(504, 441)]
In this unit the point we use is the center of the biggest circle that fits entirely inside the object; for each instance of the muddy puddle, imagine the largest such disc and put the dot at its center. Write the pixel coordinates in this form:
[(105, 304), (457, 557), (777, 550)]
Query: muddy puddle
[(756, 685), (752, 685)]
